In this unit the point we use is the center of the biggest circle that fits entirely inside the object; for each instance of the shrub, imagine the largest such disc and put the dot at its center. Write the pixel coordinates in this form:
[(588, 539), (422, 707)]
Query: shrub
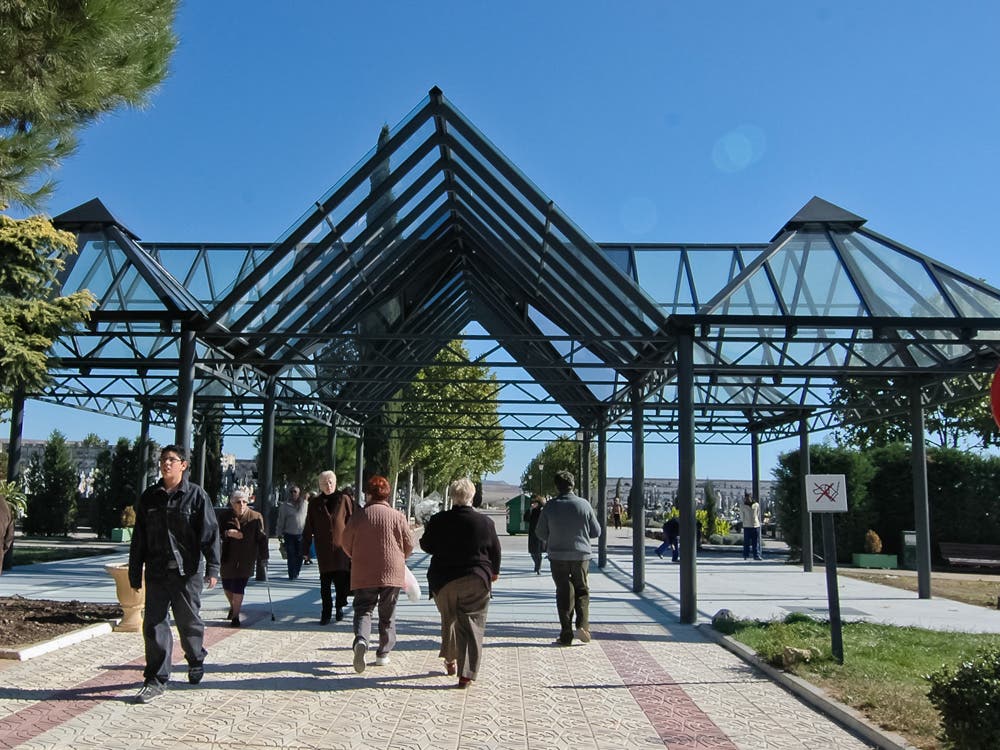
[(52, 482), (969, 702), (873, 545)]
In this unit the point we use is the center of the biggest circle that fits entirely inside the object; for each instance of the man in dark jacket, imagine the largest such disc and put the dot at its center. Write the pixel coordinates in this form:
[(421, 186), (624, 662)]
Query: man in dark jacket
[(175, 526), (566, 525)]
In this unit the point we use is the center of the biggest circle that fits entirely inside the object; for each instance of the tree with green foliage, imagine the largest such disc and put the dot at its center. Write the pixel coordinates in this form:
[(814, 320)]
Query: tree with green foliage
[(93, 440), (711, 508), (300, 455), (115, 485), (209, 435), (65, 63), (32, 315), (562, 454), (966, 420), (52, 485), (450, 420)]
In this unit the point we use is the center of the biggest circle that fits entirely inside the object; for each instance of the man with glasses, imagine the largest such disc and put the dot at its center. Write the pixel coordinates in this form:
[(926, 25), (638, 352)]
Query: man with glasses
[(175, 526)]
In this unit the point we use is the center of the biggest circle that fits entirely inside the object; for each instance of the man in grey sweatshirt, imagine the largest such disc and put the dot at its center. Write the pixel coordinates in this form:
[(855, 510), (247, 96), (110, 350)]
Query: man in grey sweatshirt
[(567, 524)]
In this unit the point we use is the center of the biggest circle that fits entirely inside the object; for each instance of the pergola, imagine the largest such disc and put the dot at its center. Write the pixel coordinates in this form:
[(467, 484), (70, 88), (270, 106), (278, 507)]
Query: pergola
[(436, 236)]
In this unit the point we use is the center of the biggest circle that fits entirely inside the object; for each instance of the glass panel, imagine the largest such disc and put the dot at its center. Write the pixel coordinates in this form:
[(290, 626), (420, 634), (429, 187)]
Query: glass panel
[(660, 275), (812, 279), (90, 269), (712, 269), (901, 284), (971, 301), (622, 258), (755, 296)]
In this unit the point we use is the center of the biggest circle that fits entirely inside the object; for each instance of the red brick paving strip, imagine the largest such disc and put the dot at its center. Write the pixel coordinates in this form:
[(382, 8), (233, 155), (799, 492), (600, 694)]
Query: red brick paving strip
[(63, 705), (675, 717)]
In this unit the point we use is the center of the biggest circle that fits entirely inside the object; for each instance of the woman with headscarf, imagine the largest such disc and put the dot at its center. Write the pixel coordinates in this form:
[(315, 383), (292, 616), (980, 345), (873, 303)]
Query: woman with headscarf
[(378, 541), (535, 545), (465, 561), (327, 515), (244, 542)]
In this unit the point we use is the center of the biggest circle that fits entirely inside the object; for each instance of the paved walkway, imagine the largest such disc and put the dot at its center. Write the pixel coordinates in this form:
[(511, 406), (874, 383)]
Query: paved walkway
[(644, 682)]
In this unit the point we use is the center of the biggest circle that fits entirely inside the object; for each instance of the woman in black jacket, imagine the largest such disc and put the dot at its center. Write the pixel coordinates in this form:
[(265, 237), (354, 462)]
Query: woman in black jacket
[(535, 545), (465, 560)]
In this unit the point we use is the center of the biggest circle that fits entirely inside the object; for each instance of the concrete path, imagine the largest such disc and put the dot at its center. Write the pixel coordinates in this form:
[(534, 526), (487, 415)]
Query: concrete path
[(645, 681)]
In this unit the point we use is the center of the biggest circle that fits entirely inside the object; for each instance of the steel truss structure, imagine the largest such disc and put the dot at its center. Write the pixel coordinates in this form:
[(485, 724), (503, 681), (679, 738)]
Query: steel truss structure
[(435, 236)]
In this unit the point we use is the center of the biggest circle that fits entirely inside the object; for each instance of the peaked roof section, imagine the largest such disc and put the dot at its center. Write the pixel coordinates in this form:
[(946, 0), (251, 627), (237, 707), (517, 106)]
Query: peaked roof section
[(433, 229), (820, 212), (90, 217)]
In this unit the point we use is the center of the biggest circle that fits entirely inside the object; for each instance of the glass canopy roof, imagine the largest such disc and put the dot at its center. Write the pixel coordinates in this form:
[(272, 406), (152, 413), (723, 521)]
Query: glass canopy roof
[(435, 233)]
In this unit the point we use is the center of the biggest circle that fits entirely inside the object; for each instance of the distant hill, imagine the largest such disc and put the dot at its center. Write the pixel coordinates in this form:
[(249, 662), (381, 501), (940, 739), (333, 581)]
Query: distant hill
[(497, 493)]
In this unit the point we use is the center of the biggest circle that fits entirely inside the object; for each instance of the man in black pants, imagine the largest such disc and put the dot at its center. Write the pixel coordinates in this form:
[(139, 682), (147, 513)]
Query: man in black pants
[(175, 526)]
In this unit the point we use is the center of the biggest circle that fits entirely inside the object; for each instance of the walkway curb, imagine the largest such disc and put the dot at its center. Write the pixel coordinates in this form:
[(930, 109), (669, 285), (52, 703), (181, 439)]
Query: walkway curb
[(68, 639), (843, 714)]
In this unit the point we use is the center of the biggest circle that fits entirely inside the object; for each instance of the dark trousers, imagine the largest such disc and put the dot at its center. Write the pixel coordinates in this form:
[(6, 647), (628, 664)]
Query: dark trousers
[(751, 542), (181, 596), (463, 604), (293, 551), (365, 601), (341, 581), (572, 595)]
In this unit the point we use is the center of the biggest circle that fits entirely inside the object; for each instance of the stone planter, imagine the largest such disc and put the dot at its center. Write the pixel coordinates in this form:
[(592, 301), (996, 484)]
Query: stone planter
[(121, 535), (132, 603), (871, 560)]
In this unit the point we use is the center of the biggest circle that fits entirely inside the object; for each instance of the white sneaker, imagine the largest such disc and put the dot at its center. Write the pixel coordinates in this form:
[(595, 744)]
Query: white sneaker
[(360, 649), (381, 661), (582, 635)]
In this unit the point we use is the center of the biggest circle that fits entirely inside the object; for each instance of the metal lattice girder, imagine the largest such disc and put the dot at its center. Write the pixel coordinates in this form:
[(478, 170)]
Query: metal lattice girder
[(435, 230)]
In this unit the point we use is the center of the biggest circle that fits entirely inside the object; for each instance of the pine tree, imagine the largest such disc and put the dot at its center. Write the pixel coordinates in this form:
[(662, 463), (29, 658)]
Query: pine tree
[(66, 62), (52, 485)]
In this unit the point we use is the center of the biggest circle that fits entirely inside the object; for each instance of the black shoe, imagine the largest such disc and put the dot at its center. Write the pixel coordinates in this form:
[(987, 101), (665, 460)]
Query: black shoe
[(659, 555), (325, 619), (149, 692), (340, 614), (195, 673), (235, 622)]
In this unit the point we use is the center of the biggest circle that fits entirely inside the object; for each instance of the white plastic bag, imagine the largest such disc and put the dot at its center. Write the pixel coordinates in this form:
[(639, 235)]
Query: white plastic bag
[(412, 587)]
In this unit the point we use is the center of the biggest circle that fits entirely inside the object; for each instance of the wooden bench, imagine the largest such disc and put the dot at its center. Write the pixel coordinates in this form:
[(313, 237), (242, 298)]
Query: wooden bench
[(974, 555)]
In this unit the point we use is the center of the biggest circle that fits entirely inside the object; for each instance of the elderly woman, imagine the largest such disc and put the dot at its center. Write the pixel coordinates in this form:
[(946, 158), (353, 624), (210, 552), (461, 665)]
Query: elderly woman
[(465, 560), (535, 545), (327, 515), (244, 542), (378, 541)]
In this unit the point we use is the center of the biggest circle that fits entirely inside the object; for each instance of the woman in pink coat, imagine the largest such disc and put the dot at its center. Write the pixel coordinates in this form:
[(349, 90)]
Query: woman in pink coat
[(378, 541)]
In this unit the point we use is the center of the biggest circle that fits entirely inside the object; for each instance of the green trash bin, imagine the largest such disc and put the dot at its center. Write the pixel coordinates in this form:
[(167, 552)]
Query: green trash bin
[(516, 508), (909, 550)]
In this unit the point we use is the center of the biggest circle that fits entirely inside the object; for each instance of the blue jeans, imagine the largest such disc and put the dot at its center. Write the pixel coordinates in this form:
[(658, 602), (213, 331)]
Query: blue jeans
[(751, 542), (674, 545), (293, 551)]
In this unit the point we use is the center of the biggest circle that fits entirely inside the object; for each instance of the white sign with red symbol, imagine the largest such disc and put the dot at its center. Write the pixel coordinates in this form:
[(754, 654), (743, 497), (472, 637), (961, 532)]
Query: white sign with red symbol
[(826, 493)]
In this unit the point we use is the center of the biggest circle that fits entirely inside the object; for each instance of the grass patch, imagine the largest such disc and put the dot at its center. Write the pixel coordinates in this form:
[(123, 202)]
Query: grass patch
[(883, 671), (28, 555)]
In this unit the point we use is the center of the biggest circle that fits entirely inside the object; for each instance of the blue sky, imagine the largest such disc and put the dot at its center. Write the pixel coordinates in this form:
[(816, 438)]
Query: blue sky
[(644, 121)]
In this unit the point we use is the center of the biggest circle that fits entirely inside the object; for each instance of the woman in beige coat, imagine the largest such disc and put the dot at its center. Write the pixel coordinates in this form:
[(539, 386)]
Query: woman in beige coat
[(378, 541)]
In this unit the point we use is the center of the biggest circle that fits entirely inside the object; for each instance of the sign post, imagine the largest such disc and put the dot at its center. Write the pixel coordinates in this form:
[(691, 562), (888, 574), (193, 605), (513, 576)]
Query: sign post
[(828, 495)]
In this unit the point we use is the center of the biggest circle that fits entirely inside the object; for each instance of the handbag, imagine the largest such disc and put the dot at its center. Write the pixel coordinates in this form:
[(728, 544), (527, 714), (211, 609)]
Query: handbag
[(281, 549), (412, 587)]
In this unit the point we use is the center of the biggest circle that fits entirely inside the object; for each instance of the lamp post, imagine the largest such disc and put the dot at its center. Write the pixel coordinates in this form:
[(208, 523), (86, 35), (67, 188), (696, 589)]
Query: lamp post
[(541, 469)]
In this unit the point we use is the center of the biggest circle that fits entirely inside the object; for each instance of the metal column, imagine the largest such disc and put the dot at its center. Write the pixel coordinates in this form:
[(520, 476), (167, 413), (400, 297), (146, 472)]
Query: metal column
[(585, 488), (202, 451), (804, 468), (637, 510), (265, 467), (143, 449), (754, 466), (602, 496), (331, 445), (921, 510), (359, 469), (185, 391), (686, 476)]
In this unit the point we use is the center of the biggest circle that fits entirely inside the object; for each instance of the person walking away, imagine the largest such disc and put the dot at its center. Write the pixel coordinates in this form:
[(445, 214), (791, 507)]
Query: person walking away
[(377, 538), (750, 513), (175, 527), (671, 539), (465, 561), (244, 543), (327, 515), (617, 509), (566, 525), (535, 545), (291, 519)]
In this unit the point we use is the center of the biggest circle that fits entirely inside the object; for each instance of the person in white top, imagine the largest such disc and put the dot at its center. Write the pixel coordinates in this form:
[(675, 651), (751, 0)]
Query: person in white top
[(750, 512)]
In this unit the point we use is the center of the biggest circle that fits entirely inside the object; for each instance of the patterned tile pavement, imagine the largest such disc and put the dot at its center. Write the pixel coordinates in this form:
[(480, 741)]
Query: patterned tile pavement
[(643, 682)]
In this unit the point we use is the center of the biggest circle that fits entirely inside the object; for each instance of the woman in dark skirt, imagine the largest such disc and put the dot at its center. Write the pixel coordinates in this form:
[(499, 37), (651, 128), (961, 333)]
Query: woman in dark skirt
[(244, 541)]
